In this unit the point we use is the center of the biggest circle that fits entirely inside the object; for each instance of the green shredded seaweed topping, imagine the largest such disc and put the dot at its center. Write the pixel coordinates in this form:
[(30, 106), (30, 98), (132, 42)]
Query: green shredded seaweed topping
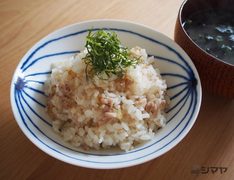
[(106, 54)]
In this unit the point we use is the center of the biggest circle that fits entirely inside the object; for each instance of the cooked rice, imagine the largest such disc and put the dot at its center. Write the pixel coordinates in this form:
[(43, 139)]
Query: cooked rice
[(105, 113)]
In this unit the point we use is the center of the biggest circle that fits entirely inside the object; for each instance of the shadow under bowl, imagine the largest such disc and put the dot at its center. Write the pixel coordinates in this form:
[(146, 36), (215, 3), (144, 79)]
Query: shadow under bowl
[(216, 75)]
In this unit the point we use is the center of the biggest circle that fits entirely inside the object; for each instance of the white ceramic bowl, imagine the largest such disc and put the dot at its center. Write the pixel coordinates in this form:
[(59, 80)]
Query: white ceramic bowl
[(28, 100)]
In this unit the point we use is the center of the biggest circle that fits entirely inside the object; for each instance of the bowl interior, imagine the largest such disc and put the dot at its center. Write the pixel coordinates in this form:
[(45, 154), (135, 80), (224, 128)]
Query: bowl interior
[(192, 6), (212, 70), (28, 100)]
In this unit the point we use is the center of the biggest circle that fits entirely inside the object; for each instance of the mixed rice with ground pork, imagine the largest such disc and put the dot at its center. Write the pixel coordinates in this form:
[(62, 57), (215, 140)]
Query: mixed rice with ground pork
[(105, 113)]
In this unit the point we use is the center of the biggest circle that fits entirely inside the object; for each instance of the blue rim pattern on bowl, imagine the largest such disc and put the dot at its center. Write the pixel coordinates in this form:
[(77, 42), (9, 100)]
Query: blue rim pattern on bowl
[(189, 92)]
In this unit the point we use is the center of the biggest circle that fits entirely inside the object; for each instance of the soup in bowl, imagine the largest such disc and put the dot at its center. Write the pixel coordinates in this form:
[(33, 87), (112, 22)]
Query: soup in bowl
[(204, 29)]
